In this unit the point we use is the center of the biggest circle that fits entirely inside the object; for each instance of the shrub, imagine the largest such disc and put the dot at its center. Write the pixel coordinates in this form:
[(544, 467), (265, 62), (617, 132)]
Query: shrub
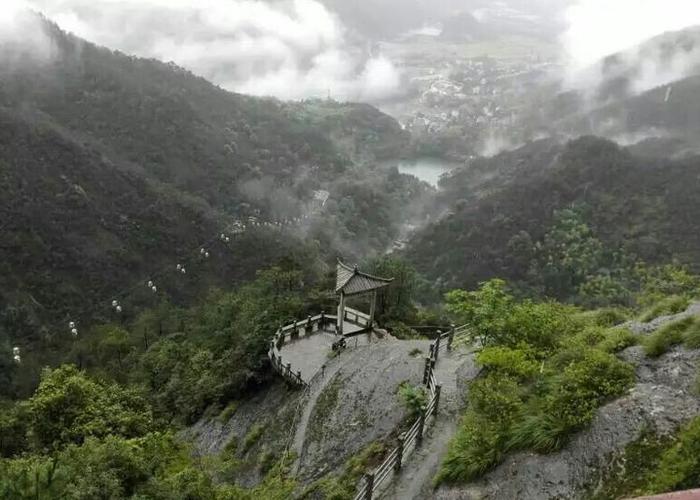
[(401, 331), (666, 337), (498, 397), (679, 467), (539, 432), (477, 447), (519, 362), (414, 398), (691, 339), (670, 305), (617, 339), (583, 386), (606, 317)]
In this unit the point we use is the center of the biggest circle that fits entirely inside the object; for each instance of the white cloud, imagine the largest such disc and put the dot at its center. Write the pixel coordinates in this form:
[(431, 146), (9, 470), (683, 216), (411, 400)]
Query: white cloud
[(288, 48), (597, 28)]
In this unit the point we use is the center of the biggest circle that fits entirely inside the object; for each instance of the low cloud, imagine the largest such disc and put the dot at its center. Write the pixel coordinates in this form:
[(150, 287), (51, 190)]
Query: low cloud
[(291, 49), (599, 28)]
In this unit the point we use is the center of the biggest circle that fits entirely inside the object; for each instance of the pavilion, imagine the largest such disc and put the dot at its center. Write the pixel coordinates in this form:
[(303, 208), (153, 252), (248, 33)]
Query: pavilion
[(351, 282)]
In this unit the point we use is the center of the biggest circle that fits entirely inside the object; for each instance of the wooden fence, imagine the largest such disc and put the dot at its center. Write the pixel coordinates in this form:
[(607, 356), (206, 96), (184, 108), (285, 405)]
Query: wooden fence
[(374, 483)]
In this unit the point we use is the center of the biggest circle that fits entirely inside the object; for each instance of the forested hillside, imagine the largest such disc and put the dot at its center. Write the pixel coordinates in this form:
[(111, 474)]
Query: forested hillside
[(115, 168), (559, 218)]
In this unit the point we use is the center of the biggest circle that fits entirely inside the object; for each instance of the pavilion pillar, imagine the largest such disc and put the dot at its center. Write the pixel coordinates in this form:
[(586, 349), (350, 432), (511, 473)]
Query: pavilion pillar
[(341, 314), (372, 308)]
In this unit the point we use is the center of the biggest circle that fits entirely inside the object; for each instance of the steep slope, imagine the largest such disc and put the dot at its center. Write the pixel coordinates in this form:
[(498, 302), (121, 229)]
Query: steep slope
[(644, 207), (114, 166)]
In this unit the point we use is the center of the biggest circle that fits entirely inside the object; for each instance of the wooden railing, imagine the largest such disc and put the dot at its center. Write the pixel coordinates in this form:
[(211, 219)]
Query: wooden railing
[(289, 333), (373, 483), (301, 329), (357, 317)]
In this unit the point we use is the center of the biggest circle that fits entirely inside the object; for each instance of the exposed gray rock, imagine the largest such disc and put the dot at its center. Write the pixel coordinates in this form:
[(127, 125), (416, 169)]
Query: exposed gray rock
[(662, 399), (358, 403)]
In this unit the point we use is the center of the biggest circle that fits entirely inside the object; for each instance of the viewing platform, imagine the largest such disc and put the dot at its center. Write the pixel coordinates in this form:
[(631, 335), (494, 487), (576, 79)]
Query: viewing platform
[(299, 351)]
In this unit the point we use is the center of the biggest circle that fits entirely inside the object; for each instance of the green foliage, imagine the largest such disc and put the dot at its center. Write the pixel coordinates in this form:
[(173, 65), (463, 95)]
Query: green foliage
[(691, 337), (228, 412), (485, 310), (519, 362), (477, 447), (252, 436), (606, 317), (661, 282), (547, 370), (679, 467), (414, 398), (629, 472), (68, 407), (667, 336), (396, 302), (576, 393), (666, 306), (497, 319), (342, 486), (617, 339), (498, 398)]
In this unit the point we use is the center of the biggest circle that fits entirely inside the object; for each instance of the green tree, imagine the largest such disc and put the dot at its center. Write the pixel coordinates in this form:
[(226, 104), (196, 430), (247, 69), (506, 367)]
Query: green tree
[(68, 407)]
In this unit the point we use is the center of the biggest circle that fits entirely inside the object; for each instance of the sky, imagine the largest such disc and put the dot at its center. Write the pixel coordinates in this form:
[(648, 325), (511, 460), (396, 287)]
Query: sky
[(299, 48)]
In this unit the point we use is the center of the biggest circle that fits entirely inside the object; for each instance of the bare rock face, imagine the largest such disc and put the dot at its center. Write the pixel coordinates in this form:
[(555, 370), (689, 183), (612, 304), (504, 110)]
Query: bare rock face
[(662, 400), (358, 403)]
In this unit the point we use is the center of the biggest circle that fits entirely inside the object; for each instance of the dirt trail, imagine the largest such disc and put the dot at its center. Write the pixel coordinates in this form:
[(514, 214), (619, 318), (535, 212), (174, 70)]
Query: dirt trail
[(415, 480)]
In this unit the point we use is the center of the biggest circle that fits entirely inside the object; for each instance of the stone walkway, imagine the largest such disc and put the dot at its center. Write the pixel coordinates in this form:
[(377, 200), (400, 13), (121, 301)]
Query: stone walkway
[(416, 477), (309, 354)]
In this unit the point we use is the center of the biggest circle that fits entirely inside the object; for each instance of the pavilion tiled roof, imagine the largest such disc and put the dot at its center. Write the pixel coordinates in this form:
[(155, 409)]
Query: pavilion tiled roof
[(350, 281)]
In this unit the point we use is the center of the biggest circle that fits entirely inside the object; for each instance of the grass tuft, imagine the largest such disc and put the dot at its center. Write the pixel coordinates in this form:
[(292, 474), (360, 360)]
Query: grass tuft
[(667, 336)]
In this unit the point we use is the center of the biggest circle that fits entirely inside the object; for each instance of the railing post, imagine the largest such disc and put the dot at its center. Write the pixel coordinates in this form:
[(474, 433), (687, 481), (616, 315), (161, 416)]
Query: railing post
[(451, 338), (436, 349), (369, 481), (438, 388), (322, 321), (299, 377), (309, 327), (399, 454), (289, 369), (421, 426), (426, 372)]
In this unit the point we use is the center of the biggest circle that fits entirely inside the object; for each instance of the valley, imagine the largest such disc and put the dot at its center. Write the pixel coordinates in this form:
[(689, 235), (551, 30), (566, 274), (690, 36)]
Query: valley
[(517, 315)]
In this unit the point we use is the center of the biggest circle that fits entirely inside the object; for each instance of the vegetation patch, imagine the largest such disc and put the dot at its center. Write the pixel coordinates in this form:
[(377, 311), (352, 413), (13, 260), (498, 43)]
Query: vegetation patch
[(415, 352), (655, 464), (253, 436), (228, 412), (325, 404), (627, 474), (667, 336), (413, 397), (546, 372), (665, 307), (342, 486)]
